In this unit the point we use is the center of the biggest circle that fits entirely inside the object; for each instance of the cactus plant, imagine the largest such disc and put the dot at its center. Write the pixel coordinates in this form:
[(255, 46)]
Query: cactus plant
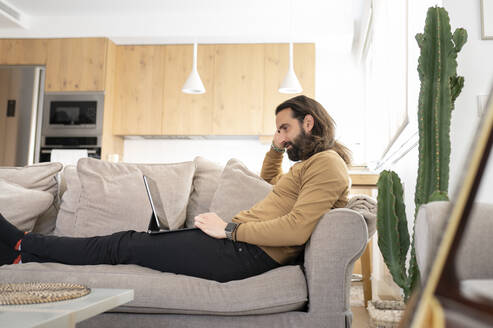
[(440, 87), (393, 237)]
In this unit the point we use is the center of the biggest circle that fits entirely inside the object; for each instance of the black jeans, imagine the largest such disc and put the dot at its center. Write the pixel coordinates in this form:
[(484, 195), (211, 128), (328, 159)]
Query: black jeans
[(188, 252)]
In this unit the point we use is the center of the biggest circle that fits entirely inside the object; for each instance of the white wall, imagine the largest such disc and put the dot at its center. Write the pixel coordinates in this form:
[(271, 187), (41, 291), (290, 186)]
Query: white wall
[(475, 64), (339, 88), (248, 150)]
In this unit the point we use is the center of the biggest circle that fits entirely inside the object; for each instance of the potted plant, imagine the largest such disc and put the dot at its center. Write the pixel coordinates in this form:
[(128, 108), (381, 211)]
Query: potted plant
[(440, 86)]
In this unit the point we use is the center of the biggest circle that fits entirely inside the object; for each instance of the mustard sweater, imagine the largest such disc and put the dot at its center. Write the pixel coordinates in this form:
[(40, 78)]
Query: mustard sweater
[(283, 221)]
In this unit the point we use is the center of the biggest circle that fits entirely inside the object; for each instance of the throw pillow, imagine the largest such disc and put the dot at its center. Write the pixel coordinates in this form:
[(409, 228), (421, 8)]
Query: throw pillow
[(239, 189), (113, 197), (21, 206), (70, 191), (205, 182), (41, 177)]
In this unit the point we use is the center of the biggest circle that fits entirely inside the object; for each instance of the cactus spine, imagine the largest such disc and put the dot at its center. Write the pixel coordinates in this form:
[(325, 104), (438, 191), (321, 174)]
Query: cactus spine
[(440, 87)]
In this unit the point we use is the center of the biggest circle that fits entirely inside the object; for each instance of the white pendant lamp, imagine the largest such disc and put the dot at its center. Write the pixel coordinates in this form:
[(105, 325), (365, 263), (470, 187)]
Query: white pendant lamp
[(194, 84), (290, 84)]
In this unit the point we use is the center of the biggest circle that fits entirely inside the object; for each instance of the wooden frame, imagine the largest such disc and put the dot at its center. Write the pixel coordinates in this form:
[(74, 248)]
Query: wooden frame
[(487, 19)]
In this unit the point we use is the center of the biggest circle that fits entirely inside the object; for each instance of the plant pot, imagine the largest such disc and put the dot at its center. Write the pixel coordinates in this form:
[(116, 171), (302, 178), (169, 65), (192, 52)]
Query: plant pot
[(385, 314)]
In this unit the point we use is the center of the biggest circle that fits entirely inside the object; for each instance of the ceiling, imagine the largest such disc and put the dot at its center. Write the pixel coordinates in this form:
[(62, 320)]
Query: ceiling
[(183, 21)]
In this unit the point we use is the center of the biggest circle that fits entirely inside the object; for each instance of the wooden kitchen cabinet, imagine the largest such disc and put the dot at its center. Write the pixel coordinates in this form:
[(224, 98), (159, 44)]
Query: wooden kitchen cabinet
[(76, 64), (139, 89), (188, 114), (276, 62), (241, 82), (143, 87), (238, 89), (23, 51)]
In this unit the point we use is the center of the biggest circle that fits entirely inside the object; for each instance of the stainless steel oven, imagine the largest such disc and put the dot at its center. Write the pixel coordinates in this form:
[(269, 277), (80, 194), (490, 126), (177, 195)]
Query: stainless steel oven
[(72, 120)]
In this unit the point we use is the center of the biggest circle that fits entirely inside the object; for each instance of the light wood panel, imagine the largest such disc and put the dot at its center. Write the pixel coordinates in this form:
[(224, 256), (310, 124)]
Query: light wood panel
[(139, 88), (186, 114), (276, 62), (9, 126), (239, 87), (4, 82), (23, 51), (76, 64), (366, 184), (110, 143), (361, 180)]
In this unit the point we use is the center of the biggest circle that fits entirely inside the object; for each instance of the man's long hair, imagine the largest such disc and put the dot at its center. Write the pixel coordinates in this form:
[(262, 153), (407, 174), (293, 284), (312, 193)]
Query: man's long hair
[(323, 132)]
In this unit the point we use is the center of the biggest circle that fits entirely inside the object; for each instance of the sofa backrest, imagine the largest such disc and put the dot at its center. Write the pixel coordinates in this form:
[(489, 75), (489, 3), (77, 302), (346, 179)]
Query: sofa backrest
[(473, 257), (225, 190), (103, 197), (205, 182)]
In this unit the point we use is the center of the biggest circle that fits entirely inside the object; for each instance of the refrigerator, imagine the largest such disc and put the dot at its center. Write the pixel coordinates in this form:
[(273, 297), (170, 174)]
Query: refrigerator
[(21, 99)]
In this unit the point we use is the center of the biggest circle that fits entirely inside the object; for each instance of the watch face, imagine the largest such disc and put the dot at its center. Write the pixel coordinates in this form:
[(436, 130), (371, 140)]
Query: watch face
[(230, 227)]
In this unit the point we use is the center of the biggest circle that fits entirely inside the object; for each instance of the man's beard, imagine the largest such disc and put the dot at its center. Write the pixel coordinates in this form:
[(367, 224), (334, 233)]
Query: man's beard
[(300, 147)]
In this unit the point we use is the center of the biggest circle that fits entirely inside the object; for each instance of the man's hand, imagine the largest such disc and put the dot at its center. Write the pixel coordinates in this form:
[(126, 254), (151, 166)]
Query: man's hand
[(211, 224), (278, 140)]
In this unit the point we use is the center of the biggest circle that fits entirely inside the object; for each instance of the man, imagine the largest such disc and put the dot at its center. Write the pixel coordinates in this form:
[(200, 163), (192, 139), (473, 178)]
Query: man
[(272, 233)]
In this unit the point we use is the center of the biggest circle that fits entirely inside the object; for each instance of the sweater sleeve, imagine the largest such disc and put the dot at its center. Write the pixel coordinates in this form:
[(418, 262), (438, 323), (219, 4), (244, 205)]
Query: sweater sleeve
[(272, 167), (321, 186)]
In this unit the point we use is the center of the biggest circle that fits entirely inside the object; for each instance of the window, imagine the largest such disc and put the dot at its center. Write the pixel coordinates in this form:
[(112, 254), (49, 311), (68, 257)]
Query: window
[(385, 70)]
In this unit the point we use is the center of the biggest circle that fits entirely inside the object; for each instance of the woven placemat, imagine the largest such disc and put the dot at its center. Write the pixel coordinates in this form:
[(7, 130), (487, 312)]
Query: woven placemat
[(385, 314), (36, 292)]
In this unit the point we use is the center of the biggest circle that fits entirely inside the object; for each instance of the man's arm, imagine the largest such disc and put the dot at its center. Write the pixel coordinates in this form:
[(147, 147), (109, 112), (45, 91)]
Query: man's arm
[(323, 184), (272, 167)]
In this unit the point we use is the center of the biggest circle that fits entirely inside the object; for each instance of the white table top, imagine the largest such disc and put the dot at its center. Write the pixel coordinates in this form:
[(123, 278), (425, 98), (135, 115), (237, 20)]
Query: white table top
[(64, 313)]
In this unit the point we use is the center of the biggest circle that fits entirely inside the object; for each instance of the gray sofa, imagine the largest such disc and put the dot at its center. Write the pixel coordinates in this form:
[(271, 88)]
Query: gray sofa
[(475, 264), (312, 294)]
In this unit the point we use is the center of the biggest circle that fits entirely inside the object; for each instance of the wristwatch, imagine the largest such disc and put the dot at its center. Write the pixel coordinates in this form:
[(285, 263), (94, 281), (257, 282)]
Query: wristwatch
[(230, 228)]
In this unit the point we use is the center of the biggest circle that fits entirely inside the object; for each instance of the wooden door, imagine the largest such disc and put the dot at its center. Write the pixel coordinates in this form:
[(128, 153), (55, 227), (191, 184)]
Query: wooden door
[(238, 91), (76, 64), (23, 51), (188, 114), (276, 62), (4, 81), (139, 88), (8, 125), (110, 144)]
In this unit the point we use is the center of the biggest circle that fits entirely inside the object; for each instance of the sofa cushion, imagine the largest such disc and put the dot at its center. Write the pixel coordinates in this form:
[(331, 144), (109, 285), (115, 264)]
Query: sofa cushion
[(21, 206), (478, 289), (205, 182), (41, 177), (473, 255), (70, 194), (113, 197), (238, 190), (279, 290)]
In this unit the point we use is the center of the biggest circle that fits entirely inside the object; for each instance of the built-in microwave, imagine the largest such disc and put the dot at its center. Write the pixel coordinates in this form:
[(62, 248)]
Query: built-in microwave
[(73, 114), (72, 120)]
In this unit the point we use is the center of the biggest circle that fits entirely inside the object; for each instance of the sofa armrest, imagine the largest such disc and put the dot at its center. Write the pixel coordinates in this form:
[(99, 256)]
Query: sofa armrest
[(474, 254), (338, 240)]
